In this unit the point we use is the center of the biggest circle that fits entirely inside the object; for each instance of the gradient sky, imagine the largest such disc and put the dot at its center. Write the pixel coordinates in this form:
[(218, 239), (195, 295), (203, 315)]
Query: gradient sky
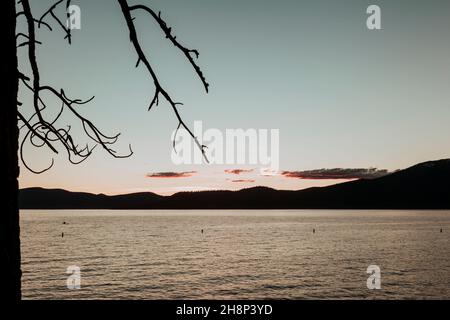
[(341, 95)]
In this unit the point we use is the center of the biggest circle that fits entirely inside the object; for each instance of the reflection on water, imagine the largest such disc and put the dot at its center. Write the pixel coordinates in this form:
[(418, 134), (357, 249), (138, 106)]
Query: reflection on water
[(241, 254)]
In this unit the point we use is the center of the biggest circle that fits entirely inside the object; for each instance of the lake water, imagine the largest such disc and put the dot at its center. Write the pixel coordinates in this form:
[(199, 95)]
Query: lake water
[(242, 254)]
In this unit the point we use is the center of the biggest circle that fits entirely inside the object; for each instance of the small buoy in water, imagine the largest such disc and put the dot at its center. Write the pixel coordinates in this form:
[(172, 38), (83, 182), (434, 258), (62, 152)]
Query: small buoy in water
[(314, 230), (441, 230), (64, 222), (202, 230), (62, 235)]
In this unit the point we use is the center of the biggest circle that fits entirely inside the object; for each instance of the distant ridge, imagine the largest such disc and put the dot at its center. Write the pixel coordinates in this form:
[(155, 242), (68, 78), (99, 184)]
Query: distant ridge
[(423, 186)]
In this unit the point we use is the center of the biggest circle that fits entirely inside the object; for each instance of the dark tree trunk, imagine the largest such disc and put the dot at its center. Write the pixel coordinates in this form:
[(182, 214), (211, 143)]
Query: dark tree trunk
[(9, 135)]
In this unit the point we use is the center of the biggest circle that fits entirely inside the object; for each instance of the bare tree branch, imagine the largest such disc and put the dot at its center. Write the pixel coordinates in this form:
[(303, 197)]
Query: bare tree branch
[(67, 30), (21, 13), (159, 90), (167, 30), (45, 132)]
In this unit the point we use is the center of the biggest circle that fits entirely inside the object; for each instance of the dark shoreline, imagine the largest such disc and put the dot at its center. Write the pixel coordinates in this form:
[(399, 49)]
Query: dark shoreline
[(424, 186)]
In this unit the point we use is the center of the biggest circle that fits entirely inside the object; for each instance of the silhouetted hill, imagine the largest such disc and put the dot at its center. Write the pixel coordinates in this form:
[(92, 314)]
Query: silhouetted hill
[(40, 198), (423, 186)]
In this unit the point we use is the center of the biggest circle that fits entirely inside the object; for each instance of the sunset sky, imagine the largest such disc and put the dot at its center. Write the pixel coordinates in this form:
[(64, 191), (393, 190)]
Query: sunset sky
[(343, 97)]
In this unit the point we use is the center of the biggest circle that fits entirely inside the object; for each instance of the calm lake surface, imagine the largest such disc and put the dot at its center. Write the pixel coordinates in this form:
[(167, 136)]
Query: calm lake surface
[(242, 254)]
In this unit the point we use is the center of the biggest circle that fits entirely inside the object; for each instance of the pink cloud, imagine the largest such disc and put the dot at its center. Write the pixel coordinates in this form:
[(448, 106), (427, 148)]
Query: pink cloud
[(168, 175), (337, 173), (238, 171)]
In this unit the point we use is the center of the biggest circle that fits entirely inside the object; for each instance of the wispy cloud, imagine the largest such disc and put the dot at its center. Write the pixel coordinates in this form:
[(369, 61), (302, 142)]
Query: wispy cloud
[(184, 174), (337, 173), (238, 171), (242, 180)]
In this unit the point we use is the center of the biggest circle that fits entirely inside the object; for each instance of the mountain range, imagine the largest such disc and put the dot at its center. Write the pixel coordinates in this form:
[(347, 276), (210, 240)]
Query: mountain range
[(423, 186)]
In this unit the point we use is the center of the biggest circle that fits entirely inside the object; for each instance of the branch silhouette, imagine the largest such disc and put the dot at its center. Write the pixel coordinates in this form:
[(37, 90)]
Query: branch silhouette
[(42, 132), (159, 90)]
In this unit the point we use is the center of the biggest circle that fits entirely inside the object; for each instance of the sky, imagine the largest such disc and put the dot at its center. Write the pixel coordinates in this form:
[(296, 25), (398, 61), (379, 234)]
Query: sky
[(344, 98)]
